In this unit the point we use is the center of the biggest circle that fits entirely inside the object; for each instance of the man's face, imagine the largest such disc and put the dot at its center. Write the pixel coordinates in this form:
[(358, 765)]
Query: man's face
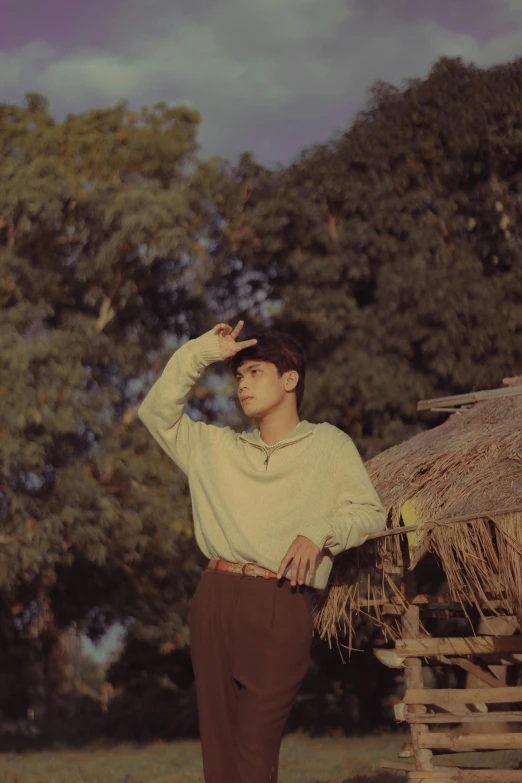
[(260, 389)]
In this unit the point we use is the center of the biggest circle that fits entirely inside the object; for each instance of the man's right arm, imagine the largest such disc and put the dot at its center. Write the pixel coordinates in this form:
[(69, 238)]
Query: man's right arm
[(162, 409)]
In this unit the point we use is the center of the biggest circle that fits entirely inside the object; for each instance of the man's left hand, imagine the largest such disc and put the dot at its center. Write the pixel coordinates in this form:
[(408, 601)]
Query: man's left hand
[(302, 553)]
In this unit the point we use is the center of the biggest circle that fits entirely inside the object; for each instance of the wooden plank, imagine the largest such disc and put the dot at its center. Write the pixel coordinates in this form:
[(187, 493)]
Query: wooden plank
[(468, 645), (447, 696), (463, 743), (431, 600), (436, 776), (450, 410), (472, 668), (435, 600), (410, 629), (503, 659), (449, 775), (473, 717), (402, 766), (465, 709), (423, 598), (400, 710), (392, 607), (463, 399), (410, 626), (447, 600), (389, 658)]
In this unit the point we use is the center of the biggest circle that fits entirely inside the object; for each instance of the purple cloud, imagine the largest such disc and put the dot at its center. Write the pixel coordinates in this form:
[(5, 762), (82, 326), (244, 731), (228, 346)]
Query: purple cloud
[(61, 23), (482, 19), (271, 77)]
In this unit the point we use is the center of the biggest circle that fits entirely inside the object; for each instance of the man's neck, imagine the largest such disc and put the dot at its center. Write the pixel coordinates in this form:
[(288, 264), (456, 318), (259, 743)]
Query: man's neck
[(276, 427)]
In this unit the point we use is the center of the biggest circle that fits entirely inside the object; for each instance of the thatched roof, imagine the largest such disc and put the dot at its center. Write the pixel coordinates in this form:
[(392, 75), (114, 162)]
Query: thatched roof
[(470, 466)]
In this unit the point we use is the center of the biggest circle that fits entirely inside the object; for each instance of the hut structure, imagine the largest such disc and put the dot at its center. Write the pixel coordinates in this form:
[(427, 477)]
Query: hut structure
[(452, 553)]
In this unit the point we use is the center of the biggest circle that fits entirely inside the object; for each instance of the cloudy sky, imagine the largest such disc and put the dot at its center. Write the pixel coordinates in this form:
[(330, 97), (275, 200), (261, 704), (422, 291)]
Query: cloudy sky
[(269, 76)]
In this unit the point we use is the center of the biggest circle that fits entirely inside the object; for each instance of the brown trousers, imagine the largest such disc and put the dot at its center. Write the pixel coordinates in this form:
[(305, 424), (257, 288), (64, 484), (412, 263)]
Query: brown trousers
[(250, 645)]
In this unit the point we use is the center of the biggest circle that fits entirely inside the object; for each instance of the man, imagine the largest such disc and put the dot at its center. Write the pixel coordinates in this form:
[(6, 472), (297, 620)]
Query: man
[(271, 509)]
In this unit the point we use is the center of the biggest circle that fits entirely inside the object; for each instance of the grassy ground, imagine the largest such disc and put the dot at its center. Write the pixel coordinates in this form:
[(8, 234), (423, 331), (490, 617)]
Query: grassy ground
[(303, 760)]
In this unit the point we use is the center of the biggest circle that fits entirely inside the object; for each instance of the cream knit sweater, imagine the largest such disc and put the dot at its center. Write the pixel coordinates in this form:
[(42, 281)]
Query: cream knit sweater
[(249, 507)]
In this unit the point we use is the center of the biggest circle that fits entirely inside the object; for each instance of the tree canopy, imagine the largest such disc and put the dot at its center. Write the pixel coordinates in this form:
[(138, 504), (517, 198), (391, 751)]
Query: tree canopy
[(392, 252), (395, 250), (105, 221)]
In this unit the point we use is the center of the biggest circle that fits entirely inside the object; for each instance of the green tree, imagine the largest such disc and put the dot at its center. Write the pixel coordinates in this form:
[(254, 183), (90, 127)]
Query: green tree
[(395, 253), (392, 251), (106, 221)]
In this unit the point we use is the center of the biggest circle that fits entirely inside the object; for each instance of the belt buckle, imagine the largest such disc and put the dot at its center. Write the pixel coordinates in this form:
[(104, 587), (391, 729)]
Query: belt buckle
[(243, 570)]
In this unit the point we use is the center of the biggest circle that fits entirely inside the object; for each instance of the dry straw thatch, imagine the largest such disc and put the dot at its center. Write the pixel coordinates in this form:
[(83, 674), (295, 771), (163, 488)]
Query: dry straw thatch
[(469, 466)]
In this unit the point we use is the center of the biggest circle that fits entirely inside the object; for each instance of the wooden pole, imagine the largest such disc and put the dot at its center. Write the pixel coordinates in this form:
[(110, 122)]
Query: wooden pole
[(464, 743), (480, 718), (410, 622), (463, 399), (430, 523), (448, 696), (445, 774), (467, 776), (427, 646), (500, 626)]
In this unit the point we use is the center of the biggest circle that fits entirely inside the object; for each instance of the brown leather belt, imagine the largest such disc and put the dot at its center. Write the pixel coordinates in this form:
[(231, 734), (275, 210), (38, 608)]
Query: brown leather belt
[(246, 569)]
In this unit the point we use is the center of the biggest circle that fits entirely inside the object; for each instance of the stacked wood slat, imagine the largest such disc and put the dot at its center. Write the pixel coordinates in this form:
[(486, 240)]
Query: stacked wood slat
[(424, 709)]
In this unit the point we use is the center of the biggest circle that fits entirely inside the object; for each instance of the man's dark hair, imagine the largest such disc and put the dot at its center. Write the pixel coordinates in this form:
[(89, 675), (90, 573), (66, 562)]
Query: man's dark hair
[(278, 348)]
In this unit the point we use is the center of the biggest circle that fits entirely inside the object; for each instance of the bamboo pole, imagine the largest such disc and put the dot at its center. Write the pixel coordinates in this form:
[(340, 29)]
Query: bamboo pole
[(458, 645), (472, 717), (432, 600), (448, 696), (396, 531), (456, 775), (401, 766), (462, 399), (469, 742), (441, 774), (393, 660), (414, 681)]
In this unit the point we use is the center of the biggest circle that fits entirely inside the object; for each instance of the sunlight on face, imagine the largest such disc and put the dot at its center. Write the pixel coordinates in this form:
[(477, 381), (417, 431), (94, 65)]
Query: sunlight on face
[(260, 389)]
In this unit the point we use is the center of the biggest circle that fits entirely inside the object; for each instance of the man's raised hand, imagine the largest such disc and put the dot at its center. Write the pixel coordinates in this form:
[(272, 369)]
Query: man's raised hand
[(227, 339)]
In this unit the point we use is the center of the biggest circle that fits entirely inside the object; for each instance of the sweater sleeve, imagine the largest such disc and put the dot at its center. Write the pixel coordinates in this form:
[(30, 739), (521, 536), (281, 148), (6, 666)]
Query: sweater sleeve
[(359, 510), (162, 409)]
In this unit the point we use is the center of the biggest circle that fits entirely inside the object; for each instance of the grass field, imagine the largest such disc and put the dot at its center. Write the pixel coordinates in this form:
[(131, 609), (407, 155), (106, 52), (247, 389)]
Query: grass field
[(303, 760)]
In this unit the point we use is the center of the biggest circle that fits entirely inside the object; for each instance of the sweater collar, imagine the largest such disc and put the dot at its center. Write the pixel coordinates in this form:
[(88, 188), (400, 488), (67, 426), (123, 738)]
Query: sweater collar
[(303, 429)]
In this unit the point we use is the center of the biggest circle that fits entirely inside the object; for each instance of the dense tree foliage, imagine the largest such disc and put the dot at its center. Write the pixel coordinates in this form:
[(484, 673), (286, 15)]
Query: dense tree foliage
[(393, 252), (104, 224)]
